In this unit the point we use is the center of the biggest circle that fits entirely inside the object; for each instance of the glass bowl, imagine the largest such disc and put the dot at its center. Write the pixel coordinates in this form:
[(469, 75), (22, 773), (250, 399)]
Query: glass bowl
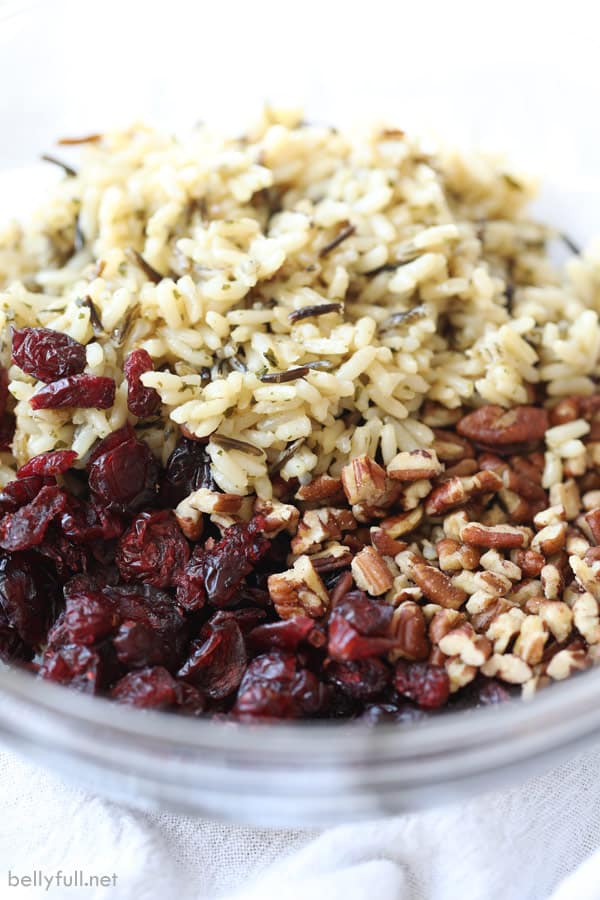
[(74, 67)]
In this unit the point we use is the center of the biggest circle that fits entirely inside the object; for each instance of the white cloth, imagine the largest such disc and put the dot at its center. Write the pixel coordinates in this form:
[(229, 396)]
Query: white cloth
[(534, 842)]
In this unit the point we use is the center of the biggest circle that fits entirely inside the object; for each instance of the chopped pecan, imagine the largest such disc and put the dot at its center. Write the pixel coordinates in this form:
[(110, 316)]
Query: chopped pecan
[(444, 621), (503, 431), (492, 561), (507, 667), (454, 556), (586, 619), (549, 516), (567, 661), (588, 576), (557, 616), (503, 628), (591, 499), (457, 491), (319, 525), (410, 494), (495, 536), (371, 572), (460, 470), (409, 630), (566, 410), (299, 591), (530, 562), (189, 512), (525, 590), (473, 649), (368, 489), (488, 610), (412, 465), (277, 516), (320, 489), (437, 586), (531, 640), (460, 673), (553, 581), (451, 447), (566, 494), (332, 557), (550, 539), (384, 543), (453, 523), (436, 657), (593, 520), (403, 523)]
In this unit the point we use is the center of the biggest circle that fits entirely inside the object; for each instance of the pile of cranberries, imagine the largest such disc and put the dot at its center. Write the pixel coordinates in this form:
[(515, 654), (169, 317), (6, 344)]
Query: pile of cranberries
[(101, 591)]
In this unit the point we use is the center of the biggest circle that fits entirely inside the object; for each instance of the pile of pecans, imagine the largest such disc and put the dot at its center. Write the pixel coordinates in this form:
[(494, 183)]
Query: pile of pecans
[(489, 570)]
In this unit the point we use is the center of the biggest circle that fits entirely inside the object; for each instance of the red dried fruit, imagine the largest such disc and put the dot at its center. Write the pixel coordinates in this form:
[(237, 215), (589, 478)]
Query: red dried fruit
[(361, 679), (7, 432), (189, 700), (81, 668), (286, 635), (274, 686), (370, 617), (218, 659), (47, 355), (48, 464), (149, 688), (84, 523), (346, 643), (188, 470), (427, 685), (3, 390), (125, 477), (89, 616), (20, 492), (81, 391), (491, 692), (12, 647), (216, 574), (112, 440), (66, 556), (141, 401), (153, 630), (153, 550), (27, 526)]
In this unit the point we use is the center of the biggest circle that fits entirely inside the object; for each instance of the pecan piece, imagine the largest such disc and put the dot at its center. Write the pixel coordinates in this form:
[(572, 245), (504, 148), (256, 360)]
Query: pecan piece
[(593, 520), (558, 618), (319, 525), (368, 488), (412, 465), (530, 562), (436, 586), (503, 431), (371, 572), (299, 591), (472, 648), (586, 618), (566, 662), (384, 543), (409, 630), (551, 539), (495, 536), (322, 488), (454, 556), (507, 667), (444, 621), (277, 516), (531, 640), (451, 447), (333, 556), (457, 491), (504, 627), (189, 512), (403, 523)]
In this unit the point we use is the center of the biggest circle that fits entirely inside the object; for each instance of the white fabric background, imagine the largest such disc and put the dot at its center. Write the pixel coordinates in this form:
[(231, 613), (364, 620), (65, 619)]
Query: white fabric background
[(533, 842), (521, 75)]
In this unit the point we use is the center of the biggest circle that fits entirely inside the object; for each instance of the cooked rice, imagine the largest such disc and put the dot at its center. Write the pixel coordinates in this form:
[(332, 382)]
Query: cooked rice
[(249, 230)]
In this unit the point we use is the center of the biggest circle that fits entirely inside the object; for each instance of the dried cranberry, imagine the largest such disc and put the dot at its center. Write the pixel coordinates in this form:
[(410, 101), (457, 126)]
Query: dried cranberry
[(125, 477), (141, 401), (247, 619), (81, 668), (112, 440), (427, 685), (218, 659), (29, 596), (153, 550), (189, 700), (89, 616), (20, 492), (84, 523), (81, 391), (491, 692), (66, 556), (371, 618), (275, 687), (346, 643), (361, 679), (153, 632), (48, 464), (188, 469), (12, 647), (58, 634), (27, 526), (218, 573), (286, 635), (3, 390), (47, 355), (8, 425), (149, 688)]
